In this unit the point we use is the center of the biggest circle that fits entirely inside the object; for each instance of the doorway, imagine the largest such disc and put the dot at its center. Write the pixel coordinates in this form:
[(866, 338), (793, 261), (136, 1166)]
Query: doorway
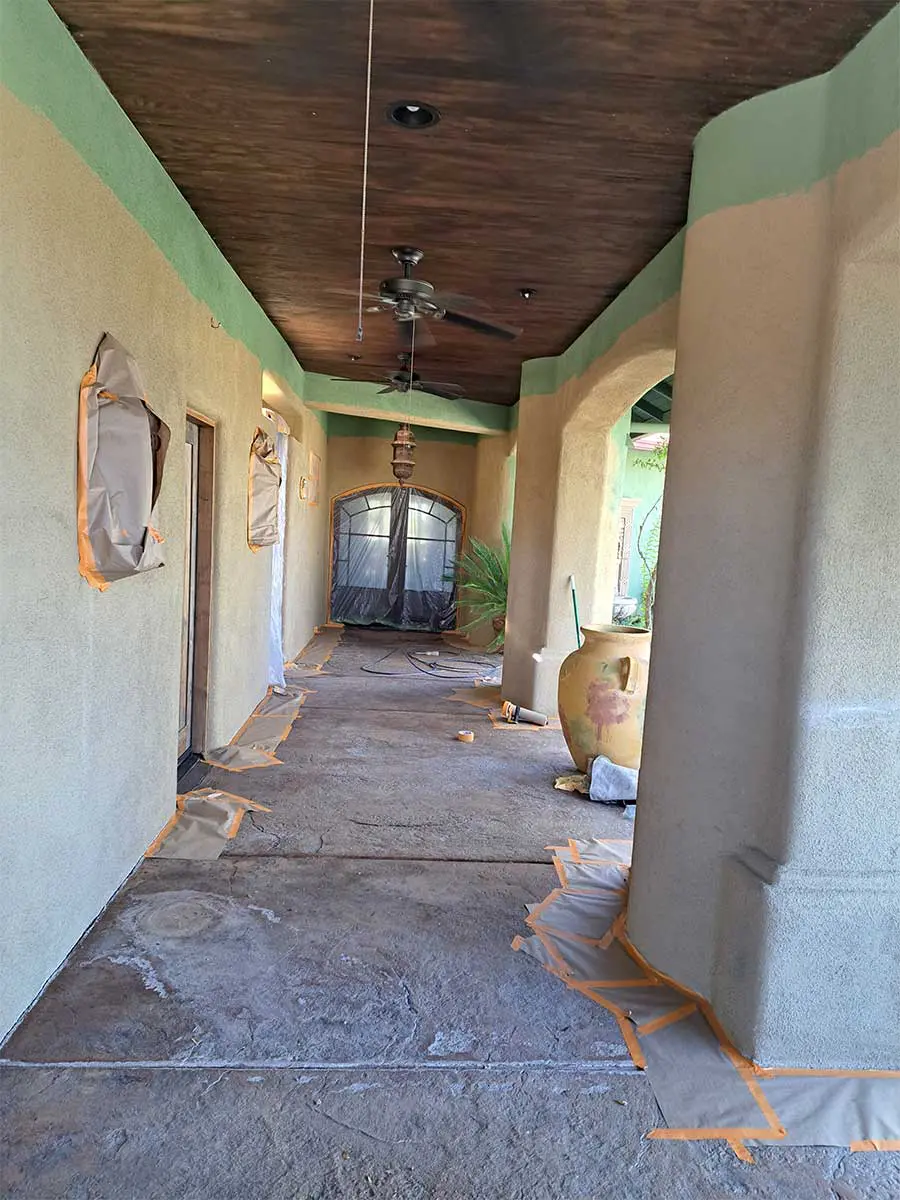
[(199, 448), (394, 550)]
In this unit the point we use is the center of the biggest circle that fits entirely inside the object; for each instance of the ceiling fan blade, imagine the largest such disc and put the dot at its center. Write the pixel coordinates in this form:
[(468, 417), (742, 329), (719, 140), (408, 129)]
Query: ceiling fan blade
[(445, 391), (509, 333), (354, 293), (459, 303), (385, 390), (444, 385), (424, 336)]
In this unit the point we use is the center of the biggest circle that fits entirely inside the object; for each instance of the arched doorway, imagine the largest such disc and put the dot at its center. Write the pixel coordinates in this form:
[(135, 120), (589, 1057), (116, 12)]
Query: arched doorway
[(392, 557)]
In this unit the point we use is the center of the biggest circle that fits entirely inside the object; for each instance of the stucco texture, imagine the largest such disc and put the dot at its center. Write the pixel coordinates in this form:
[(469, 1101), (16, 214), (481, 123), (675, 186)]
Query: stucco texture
[(767, 839), (446, 467), (570, 466), (306, 537), (92, 679)]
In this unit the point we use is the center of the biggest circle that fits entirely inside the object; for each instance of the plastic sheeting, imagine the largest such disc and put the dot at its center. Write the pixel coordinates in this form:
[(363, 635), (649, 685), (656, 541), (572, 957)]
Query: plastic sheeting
[(276, 602), (263, 492), (204, 821), (255, 743), (393, 559), (122, 447), (705, 1088)]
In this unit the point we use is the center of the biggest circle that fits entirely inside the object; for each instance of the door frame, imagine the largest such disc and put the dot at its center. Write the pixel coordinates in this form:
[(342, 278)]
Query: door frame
[(203, 570), (381, 487)]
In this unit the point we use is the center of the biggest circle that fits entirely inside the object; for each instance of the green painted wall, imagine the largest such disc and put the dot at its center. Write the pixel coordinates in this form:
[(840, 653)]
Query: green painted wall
[(369, 400), (645, 485)]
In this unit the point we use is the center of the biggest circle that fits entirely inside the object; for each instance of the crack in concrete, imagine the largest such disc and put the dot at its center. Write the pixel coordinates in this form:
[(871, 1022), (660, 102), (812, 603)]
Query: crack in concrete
[(320, 1112)]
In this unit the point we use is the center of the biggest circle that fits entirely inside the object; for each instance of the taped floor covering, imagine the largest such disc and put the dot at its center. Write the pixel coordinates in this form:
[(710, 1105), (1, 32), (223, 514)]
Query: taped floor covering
[(315, 654), (255, 743), (204, 821), (705, 1088)]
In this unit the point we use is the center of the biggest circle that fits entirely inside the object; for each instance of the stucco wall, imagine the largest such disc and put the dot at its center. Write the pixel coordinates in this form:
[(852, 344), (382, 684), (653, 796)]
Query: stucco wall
[(443, 466), (91, 679), (493, 487), (569, 476), (306, 555), (766, 844)]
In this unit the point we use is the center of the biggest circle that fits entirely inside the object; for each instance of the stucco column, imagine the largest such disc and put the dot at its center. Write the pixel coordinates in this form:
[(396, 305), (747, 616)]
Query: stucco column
[(568, 487), (767, 856)]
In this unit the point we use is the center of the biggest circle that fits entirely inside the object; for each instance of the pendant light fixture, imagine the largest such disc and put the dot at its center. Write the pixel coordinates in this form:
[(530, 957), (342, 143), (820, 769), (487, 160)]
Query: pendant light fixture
[(404, 444)]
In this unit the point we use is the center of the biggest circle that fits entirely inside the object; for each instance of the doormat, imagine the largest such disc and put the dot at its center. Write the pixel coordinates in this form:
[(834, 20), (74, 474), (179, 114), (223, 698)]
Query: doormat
[(204, 820), (261, 734), (705, 1088)]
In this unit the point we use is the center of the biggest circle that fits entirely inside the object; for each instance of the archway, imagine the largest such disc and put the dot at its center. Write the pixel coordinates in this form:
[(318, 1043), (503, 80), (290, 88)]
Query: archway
[(393, 550)]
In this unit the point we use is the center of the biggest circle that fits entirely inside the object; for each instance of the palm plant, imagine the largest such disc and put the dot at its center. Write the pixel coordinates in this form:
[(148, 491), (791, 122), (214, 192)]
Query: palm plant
[(482, 574)]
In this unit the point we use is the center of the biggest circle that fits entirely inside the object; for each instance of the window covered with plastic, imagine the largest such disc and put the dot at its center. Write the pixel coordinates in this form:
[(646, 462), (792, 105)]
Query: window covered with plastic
[(121, 453), (393, 558)]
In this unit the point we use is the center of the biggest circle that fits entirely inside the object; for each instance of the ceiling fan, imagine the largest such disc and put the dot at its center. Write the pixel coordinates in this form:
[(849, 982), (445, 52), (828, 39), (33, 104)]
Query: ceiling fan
[(404, 380), (408, 299)]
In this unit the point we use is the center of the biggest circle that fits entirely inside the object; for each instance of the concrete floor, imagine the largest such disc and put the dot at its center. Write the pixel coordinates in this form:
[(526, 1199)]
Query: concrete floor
[(332, 1009)]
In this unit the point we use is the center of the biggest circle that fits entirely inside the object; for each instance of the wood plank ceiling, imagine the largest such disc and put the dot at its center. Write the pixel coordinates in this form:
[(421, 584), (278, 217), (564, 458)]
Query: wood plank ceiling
[(561, 161)]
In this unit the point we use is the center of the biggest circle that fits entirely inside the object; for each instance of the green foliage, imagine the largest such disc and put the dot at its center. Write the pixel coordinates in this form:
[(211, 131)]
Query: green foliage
[(482, 574), (648, 549), (653, 460), (648, 538)]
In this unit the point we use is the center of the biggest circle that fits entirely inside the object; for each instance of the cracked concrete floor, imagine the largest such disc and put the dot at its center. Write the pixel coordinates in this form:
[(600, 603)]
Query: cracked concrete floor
[(332, 1010)]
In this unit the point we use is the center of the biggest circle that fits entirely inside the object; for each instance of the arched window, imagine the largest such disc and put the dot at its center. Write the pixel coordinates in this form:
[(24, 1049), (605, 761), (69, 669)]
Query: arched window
[(393, 555)]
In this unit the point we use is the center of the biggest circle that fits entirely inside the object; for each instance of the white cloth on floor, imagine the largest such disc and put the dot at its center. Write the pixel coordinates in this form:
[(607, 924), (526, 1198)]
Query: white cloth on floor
[(612, 784)]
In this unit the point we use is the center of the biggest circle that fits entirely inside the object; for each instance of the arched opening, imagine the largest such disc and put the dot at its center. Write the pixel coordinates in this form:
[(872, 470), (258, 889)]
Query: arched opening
[(393, 550)]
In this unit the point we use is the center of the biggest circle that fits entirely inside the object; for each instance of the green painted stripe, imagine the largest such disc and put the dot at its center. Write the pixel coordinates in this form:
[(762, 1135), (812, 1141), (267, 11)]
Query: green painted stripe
[(341, 425), (659, 281), (44, 68), (777, 143), (789, 139), (364, 400)]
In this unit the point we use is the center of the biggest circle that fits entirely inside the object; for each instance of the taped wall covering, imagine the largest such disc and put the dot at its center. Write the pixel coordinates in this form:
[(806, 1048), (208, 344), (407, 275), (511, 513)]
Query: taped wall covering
[(263, 492), (704, 1087), (122, 447)]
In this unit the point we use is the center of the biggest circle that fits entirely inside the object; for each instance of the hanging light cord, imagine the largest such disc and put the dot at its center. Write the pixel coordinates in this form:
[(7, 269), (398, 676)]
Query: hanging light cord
[(365, 178), (412, 367)]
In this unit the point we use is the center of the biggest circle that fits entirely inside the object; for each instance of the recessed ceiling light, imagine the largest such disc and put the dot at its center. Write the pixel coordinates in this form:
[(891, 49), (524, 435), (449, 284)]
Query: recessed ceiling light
[(413, 114)]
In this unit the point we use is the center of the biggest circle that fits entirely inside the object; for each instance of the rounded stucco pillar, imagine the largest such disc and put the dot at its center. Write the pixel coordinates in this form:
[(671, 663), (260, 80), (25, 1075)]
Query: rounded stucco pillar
[(767, 844)]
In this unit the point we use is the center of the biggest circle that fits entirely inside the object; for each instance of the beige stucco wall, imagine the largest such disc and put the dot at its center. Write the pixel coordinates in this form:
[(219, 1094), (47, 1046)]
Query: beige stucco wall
[(447, 467), (91, 680), (493, 487), (568, 472), (306, 557), (765, 872)]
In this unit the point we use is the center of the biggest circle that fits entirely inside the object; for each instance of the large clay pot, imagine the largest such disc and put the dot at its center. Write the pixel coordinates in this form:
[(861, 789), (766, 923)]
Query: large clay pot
[(602, 690)]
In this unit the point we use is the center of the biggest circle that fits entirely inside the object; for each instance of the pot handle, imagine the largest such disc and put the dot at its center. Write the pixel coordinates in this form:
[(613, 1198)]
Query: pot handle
[(628, 671)]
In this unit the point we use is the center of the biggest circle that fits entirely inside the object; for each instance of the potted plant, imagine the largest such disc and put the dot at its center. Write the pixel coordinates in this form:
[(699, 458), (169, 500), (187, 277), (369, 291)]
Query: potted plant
[(482, 574)]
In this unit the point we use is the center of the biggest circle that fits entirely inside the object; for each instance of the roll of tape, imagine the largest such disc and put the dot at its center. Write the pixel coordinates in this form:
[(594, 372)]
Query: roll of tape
[(465, 735)]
